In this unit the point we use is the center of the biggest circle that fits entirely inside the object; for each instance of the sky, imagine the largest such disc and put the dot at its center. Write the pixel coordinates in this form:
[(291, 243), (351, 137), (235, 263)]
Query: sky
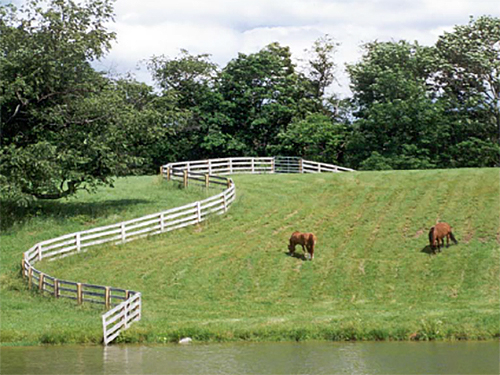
[(223, 28)]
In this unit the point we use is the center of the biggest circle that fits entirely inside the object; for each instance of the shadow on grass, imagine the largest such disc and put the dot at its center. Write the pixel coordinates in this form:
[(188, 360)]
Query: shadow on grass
[(428, 249), (300, 256), (12, 215)]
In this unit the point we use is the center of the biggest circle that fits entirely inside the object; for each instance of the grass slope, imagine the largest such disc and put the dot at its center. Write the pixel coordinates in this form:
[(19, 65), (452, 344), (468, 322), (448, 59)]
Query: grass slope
[(230, 279)]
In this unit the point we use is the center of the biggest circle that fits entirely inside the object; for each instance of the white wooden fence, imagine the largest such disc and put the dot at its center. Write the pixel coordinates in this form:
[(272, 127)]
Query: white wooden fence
[(278, 164), (125, 305)]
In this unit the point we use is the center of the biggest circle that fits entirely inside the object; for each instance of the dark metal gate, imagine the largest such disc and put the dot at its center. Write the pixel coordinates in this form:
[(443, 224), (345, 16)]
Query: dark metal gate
[(287, 164)]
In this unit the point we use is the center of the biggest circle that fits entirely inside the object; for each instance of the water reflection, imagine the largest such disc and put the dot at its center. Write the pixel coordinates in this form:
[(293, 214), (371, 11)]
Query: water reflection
[(259, 358)]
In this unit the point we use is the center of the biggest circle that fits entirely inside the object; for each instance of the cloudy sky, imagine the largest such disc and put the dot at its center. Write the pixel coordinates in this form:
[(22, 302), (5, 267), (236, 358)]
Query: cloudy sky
[(223, 28)]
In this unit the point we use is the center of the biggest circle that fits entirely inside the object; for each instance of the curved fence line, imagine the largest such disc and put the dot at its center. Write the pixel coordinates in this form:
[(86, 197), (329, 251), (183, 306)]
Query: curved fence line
[(125, 305)]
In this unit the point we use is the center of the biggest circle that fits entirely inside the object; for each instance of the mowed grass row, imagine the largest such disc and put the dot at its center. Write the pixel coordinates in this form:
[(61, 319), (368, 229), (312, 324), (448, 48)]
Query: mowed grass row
[(372, 277)]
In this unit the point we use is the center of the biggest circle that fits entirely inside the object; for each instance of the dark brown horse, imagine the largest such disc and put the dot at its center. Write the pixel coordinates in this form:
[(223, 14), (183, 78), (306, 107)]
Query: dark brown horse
[(437, 234), (304, 239)]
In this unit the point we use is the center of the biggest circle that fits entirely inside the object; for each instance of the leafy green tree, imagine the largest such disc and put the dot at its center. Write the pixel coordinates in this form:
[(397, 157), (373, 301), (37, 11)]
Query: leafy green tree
[(64, 126), (151, 122), (193, 82), (190, 78), (322, 65), (399, 123), (468, 80), (262, 92), (315, 138)]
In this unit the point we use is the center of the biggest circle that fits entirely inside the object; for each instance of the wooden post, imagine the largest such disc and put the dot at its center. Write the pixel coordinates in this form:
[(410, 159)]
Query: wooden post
[(23, 267), (40, 282), (161, 171), (30, 277), (301, 168), (207, 180), (169, 172), (228, 183), (107, 298), (56, 288), (79, 294), (127, 294), (272, 166)]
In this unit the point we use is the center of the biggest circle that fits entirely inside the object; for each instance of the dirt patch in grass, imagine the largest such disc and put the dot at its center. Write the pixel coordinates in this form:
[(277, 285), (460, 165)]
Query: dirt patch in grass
[(468, 237), (419, 233)]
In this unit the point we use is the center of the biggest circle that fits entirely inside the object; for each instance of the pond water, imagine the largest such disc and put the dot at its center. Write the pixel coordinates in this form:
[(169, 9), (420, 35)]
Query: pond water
[(257, 358)]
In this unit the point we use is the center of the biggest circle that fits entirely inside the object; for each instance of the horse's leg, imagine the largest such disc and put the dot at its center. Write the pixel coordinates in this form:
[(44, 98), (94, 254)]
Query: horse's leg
[(448, 240)]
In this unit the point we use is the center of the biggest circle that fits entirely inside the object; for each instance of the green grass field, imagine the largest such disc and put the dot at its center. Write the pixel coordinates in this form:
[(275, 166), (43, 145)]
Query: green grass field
[(231, 278)]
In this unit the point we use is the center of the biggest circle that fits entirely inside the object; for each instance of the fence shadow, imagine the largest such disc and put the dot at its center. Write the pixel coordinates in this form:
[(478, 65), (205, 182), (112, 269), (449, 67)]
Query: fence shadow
[(11, 214)]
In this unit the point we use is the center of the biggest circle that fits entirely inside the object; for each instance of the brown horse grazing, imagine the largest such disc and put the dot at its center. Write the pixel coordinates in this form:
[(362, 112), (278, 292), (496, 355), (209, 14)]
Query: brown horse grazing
[(437, 233), (304, 239)]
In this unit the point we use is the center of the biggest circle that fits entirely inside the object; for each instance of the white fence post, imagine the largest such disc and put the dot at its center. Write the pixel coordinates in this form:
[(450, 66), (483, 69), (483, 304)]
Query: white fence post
[(162, 224), (78, 242), (124, 234), (198, 210), (39, 252)]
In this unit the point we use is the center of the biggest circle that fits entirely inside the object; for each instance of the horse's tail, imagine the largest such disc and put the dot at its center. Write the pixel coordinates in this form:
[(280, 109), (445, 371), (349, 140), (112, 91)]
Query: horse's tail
[(431, 237), (453, 238)]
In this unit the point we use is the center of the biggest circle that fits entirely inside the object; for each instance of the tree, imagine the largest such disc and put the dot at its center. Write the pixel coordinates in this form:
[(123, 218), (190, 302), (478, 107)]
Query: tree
[(322, 65), (315, 138), (468, 80), (399, 125), (193, 81), (62, 122), (262, 92), (188, 77)]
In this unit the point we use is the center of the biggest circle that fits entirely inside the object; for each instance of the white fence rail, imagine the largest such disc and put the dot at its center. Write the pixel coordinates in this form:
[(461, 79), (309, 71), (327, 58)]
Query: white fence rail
[(126, 305)]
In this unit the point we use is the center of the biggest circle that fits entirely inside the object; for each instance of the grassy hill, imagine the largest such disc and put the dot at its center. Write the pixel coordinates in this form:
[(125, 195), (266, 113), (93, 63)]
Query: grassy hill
[(229, 279)]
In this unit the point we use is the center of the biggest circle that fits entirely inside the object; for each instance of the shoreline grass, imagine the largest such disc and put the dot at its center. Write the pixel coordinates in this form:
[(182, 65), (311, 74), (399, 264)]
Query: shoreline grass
[(230, 279)]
